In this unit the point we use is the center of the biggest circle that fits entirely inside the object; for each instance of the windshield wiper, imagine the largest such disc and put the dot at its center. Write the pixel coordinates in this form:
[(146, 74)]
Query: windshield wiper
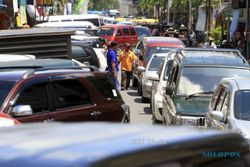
[(199, 93)]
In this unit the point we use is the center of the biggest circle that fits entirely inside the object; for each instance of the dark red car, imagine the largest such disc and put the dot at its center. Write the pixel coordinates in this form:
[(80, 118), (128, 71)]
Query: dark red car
[(60, 94)]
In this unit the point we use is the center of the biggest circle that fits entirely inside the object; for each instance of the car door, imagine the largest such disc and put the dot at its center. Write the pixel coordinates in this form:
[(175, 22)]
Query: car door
[(71, 101), (169, 110), (126, 34), (119, 38), (34, 93)]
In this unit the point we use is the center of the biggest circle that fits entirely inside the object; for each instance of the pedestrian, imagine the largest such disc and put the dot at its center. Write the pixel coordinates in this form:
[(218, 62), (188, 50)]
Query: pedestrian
[(126, 58), (210, 43), (112, 63)]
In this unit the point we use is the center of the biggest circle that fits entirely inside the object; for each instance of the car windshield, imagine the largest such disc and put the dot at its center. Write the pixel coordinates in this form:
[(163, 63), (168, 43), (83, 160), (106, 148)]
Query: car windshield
[(143, 32), (152, 50), (203, 79), (5, 87), (106, 31), (155, 63), (242, 105)]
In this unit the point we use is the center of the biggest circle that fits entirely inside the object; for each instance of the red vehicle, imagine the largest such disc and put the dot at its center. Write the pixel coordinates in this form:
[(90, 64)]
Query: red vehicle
[(147, 46), (6, 120), (120, 33)]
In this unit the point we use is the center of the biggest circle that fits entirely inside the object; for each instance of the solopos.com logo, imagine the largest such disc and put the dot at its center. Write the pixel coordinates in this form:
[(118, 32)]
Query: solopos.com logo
[(220, 154)]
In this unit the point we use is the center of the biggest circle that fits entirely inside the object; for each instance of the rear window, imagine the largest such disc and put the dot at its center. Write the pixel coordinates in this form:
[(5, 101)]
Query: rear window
[(152, 50), (106, 31), (105, 86)]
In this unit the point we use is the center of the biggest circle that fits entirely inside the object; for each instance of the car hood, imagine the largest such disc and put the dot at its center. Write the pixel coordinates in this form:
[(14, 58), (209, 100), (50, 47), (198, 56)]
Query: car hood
[(244, 127), (197, 106)]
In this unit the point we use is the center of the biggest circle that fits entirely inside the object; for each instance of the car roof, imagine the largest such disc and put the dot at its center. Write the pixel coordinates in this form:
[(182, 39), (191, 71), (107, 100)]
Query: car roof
[(163, 41), (83, 144), (241, 83), (223, 57), (116, 25)]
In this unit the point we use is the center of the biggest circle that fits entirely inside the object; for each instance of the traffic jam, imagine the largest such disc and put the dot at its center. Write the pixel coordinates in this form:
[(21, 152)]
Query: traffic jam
[(89, 90)]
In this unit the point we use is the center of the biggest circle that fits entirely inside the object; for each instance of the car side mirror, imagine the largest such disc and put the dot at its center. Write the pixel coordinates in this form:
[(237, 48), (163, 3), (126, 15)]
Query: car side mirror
[(169, 90), (217, 115), (141, 68), (22, 110)]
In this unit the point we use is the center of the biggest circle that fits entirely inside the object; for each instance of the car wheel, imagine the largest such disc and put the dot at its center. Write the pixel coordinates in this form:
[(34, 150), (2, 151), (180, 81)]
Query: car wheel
[(144, 99), (155, 121), (139, 89), (134, 82)]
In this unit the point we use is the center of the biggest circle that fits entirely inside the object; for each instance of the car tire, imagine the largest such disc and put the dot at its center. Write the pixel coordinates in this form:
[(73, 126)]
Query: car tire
[(139, 89), (144, 99), (155, 121), (134, 82)]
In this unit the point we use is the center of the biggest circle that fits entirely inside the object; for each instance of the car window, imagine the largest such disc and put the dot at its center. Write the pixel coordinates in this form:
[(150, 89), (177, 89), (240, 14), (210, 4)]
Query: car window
[(167, 69), (215, 97), (5, 87), (105, 86), (78, 51), (220, 99), (155, 63), (69, 93), (242, 105), (106, 31), (36, 96), (225, 105), (125, 31), (119, 32), (132, 31)]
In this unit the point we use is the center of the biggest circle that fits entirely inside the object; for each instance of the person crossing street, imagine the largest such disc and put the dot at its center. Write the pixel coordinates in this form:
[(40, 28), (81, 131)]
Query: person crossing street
[(126, 58)]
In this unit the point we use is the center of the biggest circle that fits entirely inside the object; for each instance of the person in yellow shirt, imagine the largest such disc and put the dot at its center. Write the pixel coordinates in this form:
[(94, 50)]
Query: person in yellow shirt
[(126, 58)]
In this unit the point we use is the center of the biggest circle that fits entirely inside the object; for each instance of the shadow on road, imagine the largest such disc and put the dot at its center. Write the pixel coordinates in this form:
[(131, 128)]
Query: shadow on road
[(138, 100), (146, 111), (132, 93)]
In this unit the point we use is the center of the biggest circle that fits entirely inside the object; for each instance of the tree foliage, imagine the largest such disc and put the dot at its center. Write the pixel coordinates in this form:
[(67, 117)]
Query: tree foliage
[(103, 4)]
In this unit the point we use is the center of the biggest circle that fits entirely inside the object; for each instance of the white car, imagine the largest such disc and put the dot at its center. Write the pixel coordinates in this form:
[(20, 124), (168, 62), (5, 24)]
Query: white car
[(15, 57), (158, 89), (150, 74), (229, 107)]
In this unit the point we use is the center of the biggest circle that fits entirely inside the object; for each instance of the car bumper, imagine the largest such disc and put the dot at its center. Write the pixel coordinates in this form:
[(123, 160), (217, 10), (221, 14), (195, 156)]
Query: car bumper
[(158, 107), (126, 116), (146, 89)]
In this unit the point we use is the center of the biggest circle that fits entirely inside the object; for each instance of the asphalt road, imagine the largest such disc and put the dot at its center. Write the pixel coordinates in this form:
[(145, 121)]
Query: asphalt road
[(139, 112)]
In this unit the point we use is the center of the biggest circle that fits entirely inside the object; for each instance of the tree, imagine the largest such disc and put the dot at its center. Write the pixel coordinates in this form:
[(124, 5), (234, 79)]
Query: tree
[(103, 4)]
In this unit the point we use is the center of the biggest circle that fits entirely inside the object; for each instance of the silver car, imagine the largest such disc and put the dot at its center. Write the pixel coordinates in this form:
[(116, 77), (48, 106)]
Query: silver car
[(150, 74), (229, 107)]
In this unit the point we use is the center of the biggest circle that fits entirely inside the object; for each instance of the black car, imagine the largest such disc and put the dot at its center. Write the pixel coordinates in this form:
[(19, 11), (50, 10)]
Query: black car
[(84, 53)]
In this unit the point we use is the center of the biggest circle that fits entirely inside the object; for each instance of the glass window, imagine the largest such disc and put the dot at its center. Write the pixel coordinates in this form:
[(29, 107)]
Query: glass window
[(203, 79), (70, 93), (105, 86), (132, 31), (36, 96), (119, 33), (141, 31), (5, 87), (78, 51), (220, 100), (125, 31), (106, 31), (155, 63), (242, 105), (215, 97), (152, 50)]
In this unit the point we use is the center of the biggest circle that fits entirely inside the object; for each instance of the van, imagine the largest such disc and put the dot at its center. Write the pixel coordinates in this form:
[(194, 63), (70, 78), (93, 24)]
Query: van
[(120, 33)]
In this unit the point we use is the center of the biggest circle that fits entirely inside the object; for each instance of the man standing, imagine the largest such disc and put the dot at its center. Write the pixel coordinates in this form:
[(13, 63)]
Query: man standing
[(112, 63), (126, 58)]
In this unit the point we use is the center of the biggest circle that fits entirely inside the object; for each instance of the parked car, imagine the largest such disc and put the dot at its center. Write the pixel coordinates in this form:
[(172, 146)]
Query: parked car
[(15, 57), (84, 54), (158, 88), (150, 74), (143, 31), (99, 145), (120, 33), (194, 75), (6, 120), (229, 106), (66, 94), (97, 46), (147, 46)]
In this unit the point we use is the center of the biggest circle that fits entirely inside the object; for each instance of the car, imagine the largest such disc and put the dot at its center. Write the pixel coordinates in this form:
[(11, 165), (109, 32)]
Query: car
[(193, 77), (120, 33), (68, 24), (65, 94), (229, 106), (147, 46), (97, 46), (84, 54), (150, 74), (6, 120), (99, 145), (15, 57), (158, 89), (143, 31)]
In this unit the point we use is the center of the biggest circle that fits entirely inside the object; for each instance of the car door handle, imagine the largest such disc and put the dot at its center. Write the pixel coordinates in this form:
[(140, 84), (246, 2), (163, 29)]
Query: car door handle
[(49, 120), (95, 113)]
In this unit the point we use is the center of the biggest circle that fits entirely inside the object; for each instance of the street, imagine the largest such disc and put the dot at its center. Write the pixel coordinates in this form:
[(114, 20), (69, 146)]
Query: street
[(139, 112)]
